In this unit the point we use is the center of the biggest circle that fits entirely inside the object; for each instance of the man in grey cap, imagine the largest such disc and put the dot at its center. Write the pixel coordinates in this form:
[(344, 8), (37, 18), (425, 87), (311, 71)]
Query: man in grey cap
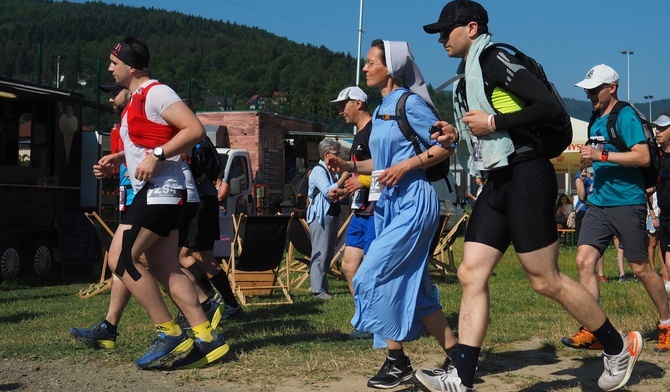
[(523, 180)]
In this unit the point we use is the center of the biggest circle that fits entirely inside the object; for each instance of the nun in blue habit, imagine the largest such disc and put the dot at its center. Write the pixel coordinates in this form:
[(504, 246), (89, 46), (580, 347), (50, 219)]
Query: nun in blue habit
[(392, 290)]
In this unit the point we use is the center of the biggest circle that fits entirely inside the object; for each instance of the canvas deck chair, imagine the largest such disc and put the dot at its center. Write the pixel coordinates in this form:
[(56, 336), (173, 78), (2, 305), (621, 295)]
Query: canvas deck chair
[(253, 269), (444, 248), (300, 241), (105, 235)]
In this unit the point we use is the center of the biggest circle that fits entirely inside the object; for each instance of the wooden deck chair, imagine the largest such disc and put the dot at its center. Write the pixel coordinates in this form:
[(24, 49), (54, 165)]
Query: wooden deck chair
[(105, 235), (438, 242), (445, 246), (300, 240), (254, 270), (336, 261)]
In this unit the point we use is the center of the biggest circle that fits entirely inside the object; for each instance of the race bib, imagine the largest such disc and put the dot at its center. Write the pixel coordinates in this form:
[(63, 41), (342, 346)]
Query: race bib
[(166, 194)]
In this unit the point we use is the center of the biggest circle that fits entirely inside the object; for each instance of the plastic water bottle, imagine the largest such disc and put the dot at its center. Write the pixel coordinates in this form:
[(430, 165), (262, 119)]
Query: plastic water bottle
[(198, 152)]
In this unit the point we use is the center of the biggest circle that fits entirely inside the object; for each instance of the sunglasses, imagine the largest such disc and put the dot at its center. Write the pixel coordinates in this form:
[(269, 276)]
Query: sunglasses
[(446, 32), (595, 90)]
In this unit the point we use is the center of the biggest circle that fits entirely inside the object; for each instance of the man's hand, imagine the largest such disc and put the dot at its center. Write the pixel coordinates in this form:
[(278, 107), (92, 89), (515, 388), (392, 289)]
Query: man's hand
[(352, 184), (447, 135), (477, 121), (107, 164), (145, 170)]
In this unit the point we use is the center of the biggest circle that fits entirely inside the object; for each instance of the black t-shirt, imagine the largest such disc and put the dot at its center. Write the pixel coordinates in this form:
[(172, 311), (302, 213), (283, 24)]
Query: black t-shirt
[(360, 151), (663, 186), (501, 69), (360, 147)]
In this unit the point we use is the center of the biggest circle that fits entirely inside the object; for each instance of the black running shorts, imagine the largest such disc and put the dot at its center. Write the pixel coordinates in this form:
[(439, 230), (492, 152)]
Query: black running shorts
[(516, 205), (158, 218)]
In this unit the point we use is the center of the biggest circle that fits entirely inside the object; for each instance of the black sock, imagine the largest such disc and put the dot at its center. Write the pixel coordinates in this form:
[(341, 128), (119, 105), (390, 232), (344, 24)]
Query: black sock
[(452, 353), (610, 338), (222, 284), (396, 354), (466, 363), (111, 328), (201, 279)]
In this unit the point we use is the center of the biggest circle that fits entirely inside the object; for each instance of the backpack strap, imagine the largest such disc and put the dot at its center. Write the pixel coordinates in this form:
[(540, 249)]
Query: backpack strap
[(615, 139), (404, 125)]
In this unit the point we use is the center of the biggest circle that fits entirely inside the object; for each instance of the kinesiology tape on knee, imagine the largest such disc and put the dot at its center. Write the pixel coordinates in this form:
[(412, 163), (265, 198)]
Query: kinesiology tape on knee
[(126, 259)]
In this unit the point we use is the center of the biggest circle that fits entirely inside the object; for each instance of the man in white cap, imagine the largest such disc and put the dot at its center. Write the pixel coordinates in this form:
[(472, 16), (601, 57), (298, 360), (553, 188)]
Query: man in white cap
[(618, 204), (662, 124), (352, 105), (523, 180)]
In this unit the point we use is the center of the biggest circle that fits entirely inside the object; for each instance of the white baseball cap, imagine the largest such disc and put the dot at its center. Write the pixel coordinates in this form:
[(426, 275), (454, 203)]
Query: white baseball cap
[(599, 75), (662, 121), (348, 93)]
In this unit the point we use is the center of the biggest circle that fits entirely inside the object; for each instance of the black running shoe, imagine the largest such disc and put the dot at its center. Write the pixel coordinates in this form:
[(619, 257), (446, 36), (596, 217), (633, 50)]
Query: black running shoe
[(392, 373)]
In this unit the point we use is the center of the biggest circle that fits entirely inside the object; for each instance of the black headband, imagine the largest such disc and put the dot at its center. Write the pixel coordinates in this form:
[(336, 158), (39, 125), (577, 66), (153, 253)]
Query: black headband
[(124, 52)]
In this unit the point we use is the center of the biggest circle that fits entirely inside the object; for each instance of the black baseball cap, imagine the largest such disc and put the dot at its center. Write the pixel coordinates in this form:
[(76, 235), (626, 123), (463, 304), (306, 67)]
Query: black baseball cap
[(458, 13), (113, 88)]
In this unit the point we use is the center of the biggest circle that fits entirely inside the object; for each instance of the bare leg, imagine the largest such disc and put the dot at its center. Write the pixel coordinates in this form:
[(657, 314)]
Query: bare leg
[(619, 257), (164, 264), (547, 280), (654, 286), (587, 258), (475, 269), (351, 260), (600, 266), (118, 299), (438, 326)]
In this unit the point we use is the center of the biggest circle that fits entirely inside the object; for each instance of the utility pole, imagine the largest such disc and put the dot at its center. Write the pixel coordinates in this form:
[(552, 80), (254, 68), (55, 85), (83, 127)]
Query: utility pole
[(628, 53), (649, 97), (58, 57)]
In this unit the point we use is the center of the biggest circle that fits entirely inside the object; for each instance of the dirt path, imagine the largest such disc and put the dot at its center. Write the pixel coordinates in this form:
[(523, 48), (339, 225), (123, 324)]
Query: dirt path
[(528, 367)]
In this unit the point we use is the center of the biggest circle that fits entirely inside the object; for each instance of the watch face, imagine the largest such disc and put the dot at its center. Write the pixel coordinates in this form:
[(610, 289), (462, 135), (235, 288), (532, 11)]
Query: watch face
[(158, 151)]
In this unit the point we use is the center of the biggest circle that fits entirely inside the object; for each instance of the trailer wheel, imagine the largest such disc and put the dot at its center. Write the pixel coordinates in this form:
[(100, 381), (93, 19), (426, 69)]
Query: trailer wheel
[(41, 258), (10, 260)]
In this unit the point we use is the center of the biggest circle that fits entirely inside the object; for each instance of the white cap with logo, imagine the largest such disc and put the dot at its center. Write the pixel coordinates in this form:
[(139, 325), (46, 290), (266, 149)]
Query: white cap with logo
[(348, 93), (599, 75)]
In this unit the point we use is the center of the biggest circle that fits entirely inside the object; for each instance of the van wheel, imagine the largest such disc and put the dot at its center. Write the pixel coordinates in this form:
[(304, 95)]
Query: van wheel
[(41, 258), (10, 260)]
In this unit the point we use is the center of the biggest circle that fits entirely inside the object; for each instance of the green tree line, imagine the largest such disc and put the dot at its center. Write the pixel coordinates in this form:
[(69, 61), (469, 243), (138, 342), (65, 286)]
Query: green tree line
[(198, 57)]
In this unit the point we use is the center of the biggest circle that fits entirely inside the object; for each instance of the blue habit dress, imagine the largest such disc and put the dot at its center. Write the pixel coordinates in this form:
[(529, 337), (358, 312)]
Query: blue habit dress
[(392, 289)]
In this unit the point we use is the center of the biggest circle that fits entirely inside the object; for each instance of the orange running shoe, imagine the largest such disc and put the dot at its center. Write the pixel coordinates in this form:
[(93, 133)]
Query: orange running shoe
[(603, 279), (663, 345), (582, 339)]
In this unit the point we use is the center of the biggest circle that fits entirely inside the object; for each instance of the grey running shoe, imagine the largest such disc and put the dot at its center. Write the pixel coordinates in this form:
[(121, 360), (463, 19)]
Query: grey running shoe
[(233, 312), (618, 368), (440, 380)]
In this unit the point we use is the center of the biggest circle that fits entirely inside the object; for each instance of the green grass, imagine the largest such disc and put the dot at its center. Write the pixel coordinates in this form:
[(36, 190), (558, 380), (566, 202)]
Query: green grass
[(301, 341)]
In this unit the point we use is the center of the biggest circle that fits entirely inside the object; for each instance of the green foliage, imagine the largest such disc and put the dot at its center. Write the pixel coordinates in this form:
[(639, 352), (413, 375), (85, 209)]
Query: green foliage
[(197, 57)]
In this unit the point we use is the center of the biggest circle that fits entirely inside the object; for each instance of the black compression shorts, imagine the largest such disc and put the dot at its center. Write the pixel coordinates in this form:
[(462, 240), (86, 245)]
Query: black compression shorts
[(516, 205)]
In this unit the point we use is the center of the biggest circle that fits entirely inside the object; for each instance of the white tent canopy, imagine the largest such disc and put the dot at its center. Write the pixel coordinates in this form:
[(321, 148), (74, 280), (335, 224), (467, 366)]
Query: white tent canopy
[(567, 164)]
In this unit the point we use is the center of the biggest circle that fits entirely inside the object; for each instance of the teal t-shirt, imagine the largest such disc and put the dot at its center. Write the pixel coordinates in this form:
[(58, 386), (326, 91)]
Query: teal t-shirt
[(613, 184)]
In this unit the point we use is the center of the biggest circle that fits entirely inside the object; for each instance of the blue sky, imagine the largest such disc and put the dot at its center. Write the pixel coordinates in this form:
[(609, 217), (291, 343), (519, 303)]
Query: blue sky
[(567, 37)]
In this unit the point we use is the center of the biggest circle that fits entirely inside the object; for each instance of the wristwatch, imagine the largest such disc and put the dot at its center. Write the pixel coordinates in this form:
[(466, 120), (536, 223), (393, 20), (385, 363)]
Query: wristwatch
[(604, 155), (158, 153)]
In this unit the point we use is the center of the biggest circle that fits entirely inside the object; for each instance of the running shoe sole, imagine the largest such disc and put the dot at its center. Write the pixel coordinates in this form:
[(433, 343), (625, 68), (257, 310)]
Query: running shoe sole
[(165, 360), (213, 355)]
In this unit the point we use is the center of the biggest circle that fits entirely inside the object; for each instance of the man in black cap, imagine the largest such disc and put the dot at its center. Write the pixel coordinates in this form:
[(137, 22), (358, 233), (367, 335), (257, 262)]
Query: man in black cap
[(504, 100)]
